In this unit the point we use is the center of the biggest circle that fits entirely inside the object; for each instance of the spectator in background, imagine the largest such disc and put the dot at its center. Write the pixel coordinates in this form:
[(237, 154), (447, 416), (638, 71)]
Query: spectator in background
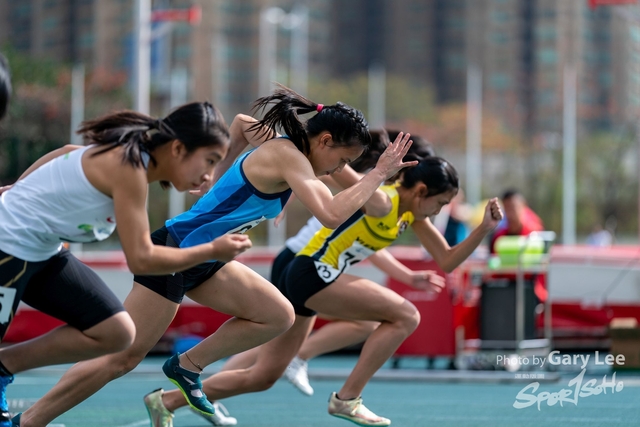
[(457, 215), (603, 237), (519, 220)]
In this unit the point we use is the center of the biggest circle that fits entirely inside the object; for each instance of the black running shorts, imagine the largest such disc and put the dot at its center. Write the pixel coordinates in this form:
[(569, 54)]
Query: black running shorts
[(62, 287), (300, 281), (280, 263), (174, 286)]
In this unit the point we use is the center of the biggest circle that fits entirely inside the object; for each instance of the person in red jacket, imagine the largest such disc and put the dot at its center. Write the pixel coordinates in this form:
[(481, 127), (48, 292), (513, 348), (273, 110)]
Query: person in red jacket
[(519, 219)]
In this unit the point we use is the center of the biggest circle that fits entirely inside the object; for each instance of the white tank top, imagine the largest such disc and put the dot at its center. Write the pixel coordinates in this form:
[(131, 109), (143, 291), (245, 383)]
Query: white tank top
[(300, 240), (55, 203)]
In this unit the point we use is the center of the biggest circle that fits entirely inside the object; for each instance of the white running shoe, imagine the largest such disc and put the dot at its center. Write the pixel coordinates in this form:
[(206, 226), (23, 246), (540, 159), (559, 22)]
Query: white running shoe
[(220, 418), (355, 411), (297, 374)]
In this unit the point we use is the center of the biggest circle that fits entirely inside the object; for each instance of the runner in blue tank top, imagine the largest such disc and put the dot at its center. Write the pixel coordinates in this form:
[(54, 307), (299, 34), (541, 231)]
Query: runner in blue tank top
[(252, 190), (234, 205)]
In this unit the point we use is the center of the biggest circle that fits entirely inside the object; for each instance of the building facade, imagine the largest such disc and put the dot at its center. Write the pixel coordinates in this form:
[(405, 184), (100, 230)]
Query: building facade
[(521, 46)]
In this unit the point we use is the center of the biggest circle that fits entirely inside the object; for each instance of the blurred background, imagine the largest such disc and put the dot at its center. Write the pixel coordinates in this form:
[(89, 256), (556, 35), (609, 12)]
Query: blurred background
[(507, 90)]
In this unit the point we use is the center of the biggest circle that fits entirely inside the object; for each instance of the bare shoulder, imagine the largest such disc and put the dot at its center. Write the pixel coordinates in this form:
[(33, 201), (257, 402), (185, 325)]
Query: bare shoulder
[(283, 152), (272, 164), (70, 147), (276, 153), (108, 171)]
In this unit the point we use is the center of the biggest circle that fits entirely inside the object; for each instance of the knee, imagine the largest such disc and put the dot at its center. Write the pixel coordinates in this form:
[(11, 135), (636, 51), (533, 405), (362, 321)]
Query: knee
[(265, 382), (409, 318), (284, 317), (123, 363), (122, 333), (413, 318)]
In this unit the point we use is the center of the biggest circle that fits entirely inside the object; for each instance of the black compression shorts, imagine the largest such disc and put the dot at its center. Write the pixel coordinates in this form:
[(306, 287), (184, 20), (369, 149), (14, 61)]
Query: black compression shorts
[(62, 287), (300, 281), (174, 286), (280, 263)]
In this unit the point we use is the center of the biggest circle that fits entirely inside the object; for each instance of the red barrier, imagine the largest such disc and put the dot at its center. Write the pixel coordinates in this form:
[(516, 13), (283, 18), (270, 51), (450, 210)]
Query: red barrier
[(435, 335)]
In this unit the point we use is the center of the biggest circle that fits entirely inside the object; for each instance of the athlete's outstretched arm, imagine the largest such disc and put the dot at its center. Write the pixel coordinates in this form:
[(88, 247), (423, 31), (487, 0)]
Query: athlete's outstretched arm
[(332, 210), (448, 257), (378, 205), (419, 279), (129, 191)]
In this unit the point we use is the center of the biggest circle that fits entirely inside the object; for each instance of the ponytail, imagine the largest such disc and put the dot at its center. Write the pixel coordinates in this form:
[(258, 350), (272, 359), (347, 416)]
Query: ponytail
[(195, 125), (346, 125)]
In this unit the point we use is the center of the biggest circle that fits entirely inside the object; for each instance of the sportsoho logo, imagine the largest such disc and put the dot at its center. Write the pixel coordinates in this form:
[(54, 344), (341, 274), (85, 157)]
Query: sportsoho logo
[(576, 389)]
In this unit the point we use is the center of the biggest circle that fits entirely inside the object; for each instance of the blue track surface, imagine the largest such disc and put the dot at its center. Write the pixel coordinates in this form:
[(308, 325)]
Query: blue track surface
[(405, 403)]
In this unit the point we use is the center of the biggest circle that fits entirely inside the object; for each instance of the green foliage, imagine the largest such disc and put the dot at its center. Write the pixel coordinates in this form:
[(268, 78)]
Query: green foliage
[(606, 178), (28, 70), (39, 117)]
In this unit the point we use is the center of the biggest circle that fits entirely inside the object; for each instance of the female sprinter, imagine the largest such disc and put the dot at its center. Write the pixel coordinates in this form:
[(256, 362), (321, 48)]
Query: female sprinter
[(315, 281), (341, 333), (253, 189), (78, 194)]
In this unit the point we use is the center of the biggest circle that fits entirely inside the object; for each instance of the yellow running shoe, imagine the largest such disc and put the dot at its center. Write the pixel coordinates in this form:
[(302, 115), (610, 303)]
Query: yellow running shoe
[(355, 411), (159, 415)]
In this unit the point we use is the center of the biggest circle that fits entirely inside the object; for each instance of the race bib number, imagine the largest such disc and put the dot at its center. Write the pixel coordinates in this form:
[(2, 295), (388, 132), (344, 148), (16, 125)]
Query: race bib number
[(7, 298), (327, 273), (241, 229), (353, 255)]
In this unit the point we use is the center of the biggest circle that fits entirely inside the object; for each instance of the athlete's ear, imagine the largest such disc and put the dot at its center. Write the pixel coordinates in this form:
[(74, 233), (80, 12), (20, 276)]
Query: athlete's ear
[(177, 148), (326, 139), (421, 189)]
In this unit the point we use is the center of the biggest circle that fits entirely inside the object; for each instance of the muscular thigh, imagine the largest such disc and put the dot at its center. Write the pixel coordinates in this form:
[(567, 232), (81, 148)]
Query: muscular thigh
[(355, 298), (238, 291)]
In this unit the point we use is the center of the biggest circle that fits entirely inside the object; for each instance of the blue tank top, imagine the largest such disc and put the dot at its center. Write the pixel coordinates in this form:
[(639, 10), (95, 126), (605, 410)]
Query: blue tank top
[(233, 205)]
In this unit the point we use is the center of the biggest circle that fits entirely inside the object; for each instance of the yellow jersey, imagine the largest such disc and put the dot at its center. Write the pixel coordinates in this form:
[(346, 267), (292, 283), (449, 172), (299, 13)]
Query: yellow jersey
[(357, 238)]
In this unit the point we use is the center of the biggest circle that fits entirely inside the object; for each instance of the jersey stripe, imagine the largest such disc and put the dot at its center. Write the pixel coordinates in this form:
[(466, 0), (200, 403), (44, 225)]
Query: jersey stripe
[(336, 233)]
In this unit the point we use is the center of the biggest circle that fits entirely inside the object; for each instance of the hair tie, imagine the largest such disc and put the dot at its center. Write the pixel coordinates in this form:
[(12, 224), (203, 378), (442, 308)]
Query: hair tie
[(319, 107)]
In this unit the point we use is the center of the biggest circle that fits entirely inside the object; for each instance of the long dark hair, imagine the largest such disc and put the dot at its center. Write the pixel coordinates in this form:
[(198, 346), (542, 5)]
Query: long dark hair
[(420, 148), (5, 85), (195, 125), (368, 159), (435, 172), (347, 126)]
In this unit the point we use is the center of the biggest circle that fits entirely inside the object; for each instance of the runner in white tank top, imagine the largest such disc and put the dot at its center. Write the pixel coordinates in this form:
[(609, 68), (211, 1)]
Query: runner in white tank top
[(54, 204), (78, 194)]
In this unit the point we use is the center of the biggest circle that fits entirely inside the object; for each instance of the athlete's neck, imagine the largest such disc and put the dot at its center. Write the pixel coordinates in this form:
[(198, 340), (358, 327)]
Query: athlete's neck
[(406, 198)]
